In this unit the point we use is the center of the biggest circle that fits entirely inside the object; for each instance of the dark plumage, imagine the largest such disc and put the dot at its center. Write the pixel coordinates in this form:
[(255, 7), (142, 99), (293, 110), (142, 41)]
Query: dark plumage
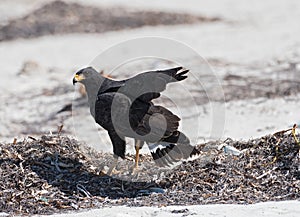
[(125, 109)]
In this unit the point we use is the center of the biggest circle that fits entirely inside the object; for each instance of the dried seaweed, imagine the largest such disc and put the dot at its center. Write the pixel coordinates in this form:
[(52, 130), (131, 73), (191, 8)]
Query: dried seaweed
[(56, 173)]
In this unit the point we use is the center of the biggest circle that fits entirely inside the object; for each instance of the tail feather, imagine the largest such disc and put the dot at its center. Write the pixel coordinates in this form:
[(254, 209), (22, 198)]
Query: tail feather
[(160, 158), (167, 154), (174, 153)]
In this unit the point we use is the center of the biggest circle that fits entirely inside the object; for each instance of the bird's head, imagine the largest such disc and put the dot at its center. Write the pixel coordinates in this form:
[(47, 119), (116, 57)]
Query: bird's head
[(85, 75)]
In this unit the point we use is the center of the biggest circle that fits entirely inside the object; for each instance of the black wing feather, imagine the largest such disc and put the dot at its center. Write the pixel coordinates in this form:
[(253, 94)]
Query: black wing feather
[(148, 85)]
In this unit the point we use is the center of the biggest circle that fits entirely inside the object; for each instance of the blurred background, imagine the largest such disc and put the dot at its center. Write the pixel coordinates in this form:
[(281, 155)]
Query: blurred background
[(252, 47)]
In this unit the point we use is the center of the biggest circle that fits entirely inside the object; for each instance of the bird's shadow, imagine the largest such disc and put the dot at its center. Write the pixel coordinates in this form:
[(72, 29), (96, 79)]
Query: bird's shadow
[(74, 178)]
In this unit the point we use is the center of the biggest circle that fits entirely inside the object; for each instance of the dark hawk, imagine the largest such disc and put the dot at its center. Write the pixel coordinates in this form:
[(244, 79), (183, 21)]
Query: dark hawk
[(125, 109)]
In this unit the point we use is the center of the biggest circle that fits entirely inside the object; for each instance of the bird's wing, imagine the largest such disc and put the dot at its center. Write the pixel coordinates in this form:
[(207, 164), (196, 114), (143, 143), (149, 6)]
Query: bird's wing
[(110, 86), (148, 85), (133, 96), (139, 119), (157, 123)]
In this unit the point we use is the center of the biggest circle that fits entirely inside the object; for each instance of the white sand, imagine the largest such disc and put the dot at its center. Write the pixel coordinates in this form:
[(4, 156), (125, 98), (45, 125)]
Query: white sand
[(257, 31), (268, 209)]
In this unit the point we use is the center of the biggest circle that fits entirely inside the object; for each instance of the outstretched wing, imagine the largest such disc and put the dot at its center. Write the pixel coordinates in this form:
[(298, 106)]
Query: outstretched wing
[(148, 85), (147, 122)]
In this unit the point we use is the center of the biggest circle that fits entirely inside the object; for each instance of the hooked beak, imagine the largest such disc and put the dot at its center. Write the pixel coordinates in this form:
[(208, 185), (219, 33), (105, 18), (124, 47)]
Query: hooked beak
[(78, 78)]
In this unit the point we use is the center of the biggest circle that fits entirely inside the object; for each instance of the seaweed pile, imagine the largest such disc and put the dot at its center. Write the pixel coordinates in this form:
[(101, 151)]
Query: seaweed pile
[(56, 173)]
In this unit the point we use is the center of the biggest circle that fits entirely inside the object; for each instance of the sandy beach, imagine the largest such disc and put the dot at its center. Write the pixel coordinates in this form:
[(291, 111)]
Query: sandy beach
[(252, 48), (286, 208)]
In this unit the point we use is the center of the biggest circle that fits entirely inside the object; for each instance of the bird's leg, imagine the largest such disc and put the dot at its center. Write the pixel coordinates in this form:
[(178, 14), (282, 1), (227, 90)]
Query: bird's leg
[(138, 144), (137, 156), (113, 165)]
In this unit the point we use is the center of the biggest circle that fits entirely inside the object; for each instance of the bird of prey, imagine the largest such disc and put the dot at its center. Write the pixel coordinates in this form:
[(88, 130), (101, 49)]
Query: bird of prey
[(125, 109)]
